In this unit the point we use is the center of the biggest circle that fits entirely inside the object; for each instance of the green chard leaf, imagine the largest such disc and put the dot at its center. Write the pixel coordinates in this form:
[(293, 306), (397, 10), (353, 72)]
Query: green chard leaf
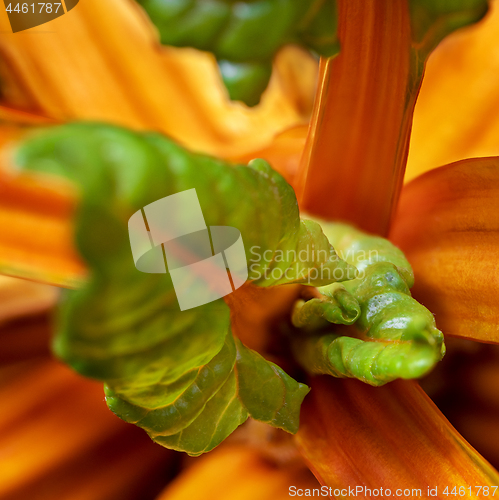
[(433, 20), (244, 36), (397, 335), (180, 375)]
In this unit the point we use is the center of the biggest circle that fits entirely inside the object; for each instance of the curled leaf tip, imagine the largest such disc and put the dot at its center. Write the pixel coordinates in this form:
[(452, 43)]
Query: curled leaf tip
[(375, 363), (392, 336), (338, 306)]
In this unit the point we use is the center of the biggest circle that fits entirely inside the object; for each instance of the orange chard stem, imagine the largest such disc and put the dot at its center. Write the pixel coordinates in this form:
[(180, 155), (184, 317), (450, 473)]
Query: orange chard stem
[(237, 472), (356, 151), (392, 437), (37, 231)]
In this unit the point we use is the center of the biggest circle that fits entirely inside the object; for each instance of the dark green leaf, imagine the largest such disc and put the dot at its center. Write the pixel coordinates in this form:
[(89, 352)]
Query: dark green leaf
[(246, 35), (433, 20)]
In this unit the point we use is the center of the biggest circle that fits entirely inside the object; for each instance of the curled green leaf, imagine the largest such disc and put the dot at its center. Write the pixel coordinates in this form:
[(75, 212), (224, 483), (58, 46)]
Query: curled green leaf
[(337, 305), (180, 375), (397, 336), (375, 363)]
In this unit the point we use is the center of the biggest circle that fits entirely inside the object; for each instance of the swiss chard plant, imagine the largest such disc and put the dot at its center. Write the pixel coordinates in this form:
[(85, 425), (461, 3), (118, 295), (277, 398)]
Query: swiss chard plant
[(182, 375)]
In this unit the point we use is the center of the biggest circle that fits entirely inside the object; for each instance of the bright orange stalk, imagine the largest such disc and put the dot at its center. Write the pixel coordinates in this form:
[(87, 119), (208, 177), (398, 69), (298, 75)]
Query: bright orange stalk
[(392, 437), (37, 233), (58, 439), (447, 224), (21, 298), (355, 155), (238, 473), (25, 338), (13, 115)]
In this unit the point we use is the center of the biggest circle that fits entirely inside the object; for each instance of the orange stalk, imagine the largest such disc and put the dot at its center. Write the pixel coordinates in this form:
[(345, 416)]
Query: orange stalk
[(392, 437), (13, 115), (74, 448), (36, 241), (25, 338), (355, 155), (62, 403), (238, 473)]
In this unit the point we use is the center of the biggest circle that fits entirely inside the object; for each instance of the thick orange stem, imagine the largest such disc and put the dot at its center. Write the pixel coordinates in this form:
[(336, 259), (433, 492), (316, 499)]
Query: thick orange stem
[(356, 151), (391, 437), (36, 242)]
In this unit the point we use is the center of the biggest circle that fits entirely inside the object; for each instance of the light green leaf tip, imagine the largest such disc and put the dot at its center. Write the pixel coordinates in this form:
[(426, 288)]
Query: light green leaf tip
[(393, 336)]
